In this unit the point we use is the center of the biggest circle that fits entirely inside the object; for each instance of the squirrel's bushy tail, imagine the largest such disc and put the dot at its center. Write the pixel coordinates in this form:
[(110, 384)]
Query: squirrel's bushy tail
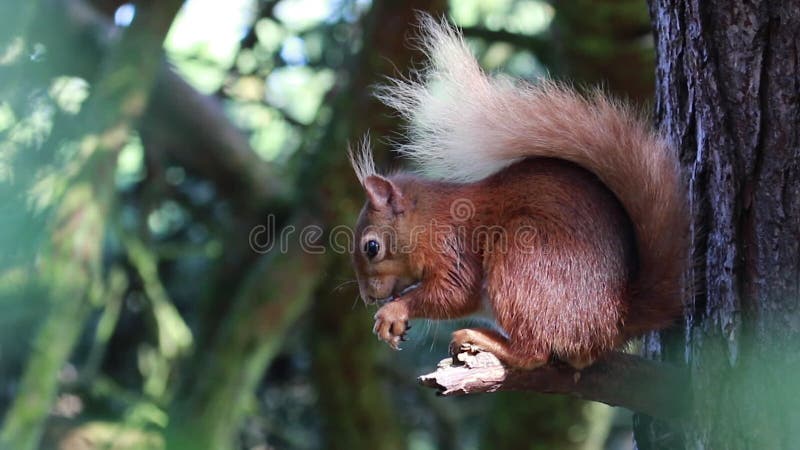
[(464, 125)]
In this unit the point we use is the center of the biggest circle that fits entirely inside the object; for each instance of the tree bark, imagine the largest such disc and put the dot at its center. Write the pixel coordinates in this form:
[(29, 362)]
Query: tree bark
[(728, 96)]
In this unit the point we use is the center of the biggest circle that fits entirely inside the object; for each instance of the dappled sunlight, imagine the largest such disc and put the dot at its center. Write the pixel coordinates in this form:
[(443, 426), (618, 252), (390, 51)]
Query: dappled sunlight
[(142, 143)]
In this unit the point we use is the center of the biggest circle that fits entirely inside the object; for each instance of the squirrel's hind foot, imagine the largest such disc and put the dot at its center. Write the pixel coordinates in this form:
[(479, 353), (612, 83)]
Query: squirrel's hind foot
[(474, 340)]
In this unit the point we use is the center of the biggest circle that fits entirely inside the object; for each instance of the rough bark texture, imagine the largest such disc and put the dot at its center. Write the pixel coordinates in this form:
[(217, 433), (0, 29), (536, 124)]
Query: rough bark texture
[(728, 96)]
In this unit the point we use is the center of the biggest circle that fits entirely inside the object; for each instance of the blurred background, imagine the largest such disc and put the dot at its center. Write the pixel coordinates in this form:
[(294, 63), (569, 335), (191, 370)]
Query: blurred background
[(152, 152)]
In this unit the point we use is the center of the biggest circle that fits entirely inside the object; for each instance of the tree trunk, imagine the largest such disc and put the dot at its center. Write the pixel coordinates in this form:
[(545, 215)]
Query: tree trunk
[(211, 406), (71, 262), (727, 96)]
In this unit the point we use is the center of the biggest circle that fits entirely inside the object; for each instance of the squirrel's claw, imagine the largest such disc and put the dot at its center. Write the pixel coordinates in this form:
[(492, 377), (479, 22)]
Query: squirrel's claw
[(457, 347), (391, 324)]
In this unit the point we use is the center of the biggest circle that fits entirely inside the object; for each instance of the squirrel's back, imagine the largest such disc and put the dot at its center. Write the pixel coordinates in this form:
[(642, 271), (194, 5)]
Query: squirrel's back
[(465, 125)]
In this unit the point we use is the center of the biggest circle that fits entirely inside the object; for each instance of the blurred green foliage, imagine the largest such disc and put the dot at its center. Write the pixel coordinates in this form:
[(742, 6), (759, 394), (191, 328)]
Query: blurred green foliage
[(134, 312)]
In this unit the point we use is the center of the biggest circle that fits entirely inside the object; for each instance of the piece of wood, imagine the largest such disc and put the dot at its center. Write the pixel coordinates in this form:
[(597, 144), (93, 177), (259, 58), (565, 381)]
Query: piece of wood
[(619, 379)]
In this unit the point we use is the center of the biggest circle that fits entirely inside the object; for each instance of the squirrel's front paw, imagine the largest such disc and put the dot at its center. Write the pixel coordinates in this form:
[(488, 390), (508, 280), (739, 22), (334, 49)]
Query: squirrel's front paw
[(391, 323)]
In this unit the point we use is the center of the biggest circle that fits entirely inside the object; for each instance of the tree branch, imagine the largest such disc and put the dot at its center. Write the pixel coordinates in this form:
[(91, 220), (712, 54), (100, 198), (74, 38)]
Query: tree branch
[(539, 45), (192, 129), (181, 123), (619, 379)]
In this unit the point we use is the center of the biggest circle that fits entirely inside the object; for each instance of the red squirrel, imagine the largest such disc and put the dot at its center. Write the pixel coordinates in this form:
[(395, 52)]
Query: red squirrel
[(561, 213)]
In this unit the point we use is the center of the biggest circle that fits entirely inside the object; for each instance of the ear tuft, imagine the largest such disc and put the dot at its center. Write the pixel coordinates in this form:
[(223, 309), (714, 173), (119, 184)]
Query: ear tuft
[(361, 160), (383, 194)]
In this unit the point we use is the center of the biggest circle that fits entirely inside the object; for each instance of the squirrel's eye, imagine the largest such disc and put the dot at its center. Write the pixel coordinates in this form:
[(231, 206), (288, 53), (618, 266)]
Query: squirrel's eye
[(371, 248)]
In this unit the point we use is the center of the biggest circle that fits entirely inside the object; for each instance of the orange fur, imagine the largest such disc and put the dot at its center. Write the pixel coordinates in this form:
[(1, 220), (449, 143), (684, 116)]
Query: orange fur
[(597, 194)]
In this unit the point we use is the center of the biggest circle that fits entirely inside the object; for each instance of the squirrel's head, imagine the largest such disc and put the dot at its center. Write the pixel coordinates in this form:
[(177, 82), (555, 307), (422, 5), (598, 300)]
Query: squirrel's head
[(383, 237)]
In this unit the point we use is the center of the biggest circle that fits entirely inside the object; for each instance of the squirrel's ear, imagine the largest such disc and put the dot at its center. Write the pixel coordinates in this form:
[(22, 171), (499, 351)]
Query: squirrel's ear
[(383, 194)]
